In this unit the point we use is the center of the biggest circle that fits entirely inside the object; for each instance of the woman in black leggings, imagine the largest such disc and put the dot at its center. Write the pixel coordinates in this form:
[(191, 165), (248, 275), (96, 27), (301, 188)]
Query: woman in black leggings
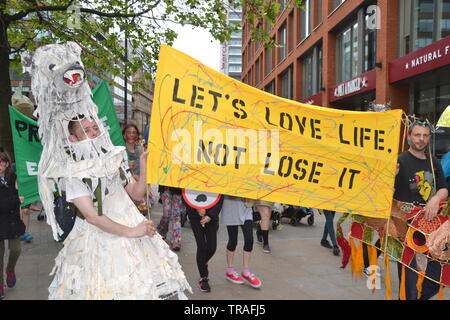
[(235, 214), (205, 224)]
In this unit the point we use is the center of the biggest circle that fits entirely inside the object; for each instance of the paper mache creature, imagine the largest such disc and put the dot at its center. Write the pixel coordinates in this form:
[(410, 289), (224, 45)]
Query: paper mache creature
[(93, 264)]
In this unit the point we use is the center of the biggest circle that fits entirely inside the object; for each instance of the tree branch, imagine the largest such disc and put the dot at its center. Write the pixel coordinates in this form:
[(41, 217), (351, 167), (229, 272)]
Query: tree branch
[(22, 14)]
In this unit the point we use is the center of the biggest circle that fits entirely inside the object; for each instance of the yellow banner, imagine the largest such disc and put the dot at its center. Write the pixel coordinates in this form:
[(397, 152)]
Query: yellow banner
[(212, 133)]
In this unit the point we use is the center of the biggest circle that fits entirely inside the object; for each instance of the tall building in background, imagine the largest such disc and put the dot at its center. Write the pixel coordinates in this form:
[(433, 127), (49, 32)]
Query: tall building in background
[(231, 51), (350, 54)]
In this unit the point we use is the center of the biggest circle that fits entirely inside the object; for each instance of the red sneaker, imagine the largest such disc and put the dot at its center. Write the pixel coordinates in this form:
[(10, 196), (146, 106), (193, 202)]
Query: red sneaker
[(10, 278), (252, 280), (234, 277), (2, 291)]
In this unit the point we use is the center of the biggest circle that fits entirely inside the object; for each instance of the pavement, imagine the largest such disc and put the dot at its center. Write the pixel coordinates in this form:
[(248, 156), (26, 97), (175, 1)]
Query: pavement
[(298, 268)]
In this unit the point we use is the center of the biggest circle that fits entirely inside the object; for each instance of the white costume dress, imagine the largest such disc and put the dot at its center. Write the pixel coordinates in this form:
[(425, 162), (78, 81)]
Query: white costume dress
[(93, 264), (98, 265)]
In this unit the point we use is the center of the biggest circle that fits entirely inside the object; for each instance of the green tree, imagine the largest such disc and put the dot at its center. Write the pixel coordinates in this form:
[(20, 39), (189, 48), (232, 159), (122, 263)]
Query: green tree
[(99, 28)]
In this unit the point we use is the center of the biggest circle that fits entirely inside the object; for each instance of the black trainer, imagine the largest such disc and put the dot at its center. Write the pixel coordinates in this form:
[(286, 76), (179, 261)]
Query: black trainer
[(203, 285), (325, 243)]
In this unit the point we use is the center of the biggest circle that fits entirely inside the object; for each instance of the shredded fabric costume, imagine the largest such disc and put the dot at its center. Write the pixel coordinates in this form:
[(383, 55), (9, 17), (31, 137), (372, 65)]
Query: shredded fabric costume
[(93, 264)]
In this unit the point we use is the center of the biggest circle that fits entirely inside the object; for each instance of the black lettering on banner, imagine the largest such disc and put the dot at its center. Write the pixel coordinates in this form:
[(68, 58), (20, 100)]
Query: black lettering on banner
[(217, 153), (283, 116), (314, 172), (33, 131), (266, 166), (301, 125), (353, 173), (216, 101), (268, 116), (202, 152), (341, 136), (243, 113), (289, 166), (314, 130), (21, 126), (175, 92), (195, 97), (238, 155), (299, 168), (378, 140), (363, 136)]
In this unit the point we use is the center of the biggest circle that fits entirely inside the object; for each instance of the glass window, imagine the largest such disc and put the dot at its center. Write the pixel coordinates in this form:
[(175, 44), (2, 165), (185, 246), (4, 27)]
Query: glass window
[(307, 75), (270, 88), (348, 56), (257, 71), (236, 59), (235, 68), (336, 3), (236, 51), (291, 32), (319, 12), (268, 62), (305, 23), (312, 73), (286, 83), (422, 22), (282, 42), (370, 46)]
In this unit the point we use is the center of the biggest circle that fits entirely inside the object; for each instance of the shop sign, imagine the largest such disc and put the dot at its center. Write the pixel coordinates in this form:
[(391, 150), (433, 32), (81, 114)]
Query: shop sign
[(315, 100), (359, 84), (428, 58)]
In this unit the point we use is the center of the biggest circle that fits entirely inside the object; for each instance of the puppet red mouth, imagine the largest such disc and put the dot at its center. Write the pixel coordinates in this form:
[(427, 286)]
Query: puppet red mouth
[(74, 77)]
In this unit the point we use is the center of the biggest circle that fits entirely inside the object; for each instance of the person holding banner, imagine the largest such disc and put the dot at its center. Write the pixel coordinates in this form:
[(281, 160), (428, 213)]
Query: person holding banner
[(111, 251), (205, 225), (262, 233), (234, 214), (419, 180), (173, 208), (11, 225)]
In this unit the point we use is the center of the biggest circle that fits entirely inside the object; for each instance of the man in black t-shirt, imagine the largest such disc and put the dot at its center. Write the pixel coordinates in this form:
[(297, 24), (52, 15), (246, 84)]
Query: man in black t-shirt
[(420, 182)]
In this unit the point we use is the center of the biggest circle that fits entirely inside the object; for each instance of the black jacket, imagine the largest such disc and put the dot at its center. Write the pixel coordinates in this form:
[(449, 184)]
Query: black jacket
[(11, 226)]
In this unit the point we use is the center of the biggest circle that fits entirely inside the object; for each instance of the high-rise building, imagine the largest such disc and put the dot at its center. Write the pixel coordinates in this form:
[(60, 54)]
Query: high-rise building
[(231, 53), (351, 54)]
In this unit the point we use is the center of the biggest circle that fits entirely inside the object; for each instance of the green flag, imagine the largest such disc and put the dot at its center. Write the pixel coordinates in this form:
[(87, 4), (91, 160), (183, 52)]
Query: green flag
[(27, 151), (28, 148), (106, 112)]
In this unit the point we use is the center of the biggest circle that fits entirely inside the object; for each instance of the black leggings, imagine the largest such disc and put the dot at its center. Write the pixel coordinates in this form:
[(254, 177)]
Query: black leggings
[(247, 230), (206, 238)]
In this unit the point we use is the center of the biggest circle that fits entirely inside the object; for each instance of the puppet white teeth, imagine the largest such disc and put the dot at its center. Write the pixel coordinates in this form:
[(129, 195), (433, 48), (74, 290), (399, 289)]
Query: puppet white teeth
[(73, 77)]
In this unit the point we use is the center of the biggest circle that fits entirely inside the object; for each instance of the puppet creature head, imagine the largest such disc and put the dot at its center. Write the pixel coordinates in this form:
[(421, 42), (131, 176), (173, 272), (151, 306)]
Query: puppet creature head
[(58, 81)]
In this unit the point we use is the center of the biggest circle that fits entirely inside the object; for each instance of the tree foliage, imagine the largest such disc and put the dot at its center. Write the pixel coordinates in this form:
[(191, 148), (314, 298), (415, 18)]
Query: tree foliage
[(101, 26)]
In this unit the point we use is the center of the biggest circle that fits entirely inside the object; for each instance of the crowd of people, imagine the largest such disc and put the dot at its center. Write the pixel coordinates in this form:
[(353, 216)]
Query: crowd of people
[(230, 212)]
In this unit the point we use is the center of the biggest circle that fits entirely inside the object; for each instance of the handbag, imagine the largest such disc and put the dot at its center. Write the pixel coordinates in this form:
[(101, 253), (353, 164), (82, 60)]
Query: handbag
[(64, 214)]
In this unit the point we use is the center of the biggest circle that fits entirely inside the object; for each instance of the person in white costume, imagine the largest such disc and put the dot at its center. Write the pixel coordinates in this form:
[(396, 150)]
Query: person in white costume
[(112, 252)]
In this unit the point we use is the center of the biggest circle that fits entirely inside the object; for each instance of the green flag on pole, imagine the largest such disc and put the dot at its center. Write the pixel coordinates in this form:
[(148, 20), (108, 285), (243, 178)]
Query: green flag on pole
[(28, 148), (27, 151)]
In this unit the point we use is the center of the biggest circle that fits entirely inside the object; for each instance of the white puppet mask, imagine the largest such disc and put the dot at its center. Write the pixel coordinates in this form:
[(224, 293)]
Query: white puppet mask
[(62, 94)]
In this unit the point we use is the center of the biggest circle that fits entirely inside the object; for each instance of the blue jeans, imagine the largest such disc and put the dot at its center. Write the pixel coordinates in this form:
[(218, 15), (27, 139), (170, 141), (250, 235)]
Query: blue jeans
[(329, 227)]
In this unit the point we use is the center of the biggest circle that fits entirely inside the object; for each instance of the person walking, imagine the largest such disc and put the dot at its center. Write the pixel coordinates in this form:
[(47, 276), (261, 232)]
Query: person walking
[(420, 180), (328, 230), (234, 215), (205, 225), (11, 225), (262, 232), (173, 207)]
